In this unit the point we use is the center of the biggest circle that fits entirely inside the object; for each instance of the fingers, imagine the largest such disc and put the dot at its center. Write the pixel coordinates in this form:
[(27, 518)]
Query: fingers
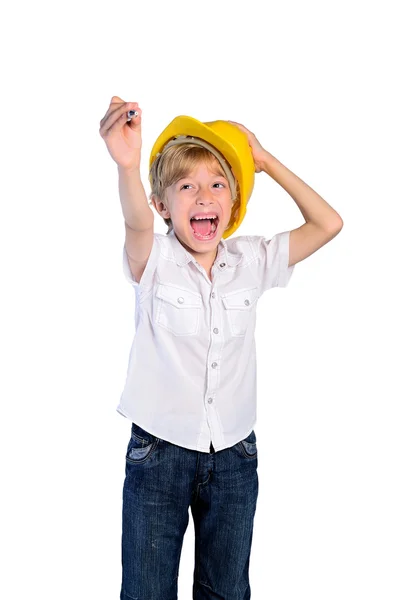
[(238, 124), (117, 116), (251, 136)]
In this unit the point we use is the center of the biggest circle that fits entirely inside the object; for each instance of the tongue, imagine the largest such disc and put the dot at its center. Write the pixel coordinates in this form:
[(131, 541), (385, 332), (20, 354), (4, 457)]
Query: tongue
[(203, 226)]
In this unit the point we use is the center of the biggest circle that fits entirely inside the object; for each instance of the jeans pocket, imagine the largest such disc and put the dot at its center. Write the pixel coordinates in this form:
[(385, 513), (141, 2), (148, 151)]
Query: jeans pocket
[(248, 446), (141, 445)]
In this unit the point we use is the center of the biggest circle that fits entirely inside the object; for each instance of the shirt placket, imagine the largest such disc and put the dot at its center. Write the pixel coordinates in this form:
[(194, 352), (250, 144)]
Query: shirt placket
[(214, 362)]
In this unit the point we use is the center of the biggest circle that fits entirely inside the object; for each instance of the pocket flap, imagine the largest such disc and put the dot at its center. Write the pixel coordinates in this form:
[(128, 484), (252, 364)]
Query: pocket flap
[(179, 297), (241, 299)]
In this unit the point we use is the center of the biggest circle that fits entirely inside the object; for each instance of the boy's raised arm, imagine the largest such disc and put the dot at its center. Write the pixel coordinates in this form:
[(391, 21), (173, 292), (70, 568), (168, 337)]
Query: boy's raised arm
[(323, 223), (123, 139), (136, 210)]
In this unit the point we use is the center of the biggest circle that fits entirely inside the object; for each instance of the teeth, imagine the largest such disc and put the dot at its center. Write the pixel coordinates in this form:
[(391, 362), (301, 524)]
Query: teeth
[(201, 218)]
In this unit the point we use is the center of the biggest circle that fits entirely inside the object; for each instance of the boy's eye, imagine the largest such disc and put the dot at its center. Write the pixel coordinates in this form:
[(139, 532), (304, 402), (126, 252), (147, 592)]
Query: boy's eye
[(187, 184)]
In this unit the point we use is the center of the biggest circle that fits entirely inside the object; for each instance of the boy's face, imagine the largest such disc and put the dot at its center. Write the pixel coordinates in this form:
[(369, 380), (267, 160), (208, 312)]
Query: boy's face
[(202, 192)]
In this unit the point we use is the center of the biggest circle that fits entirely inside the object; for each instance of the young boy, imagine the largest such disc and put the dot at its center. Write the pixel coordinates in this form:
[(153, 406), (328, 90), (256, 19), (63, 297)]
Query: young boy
[(190, 390)]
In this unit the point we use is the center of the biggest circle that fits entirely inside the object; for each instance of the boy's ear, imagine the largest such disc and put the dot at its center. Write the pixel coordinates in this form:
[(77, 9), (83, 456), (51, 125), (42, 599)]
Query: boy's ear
[(160, 206)]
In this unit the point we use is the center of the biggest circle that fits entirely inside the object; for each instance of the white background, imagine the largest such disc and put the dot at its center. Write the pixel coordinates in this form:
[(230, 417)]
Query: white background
[(314, 82)]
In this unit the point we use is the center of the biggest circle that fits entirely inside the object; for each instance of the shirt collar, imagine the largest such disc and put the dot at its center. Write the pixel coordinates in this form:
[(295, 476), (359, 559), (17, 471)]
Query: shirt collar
[(224, 257)]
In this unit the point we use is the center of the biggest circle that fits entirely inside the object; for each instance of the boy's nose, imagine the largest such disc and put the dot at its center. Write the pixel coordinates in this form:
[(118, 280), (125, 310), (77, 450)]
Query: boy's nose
[(205, 197)]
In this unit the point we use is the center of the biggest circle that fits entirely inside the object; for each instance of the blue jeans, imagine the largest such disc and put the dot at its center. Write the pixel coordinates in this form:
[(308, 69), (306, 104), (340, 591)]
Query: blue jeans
[(161, 481)]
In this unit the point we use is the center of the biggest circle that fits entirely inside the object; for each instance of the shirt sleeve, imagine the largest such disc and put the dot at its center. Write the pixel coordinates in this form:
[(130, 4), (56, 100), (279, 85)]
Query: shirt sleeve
[(272, 258), (146, 282)]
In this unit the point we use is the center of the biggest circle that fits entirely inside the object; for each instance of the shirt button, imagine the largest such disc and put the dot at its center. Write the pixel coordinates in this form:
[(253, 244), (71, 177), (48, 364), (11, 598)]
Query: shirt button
[(246, 302), (209, 400), (214, 364), (181, 300), (216, 330), (222, 264), (213, 295)]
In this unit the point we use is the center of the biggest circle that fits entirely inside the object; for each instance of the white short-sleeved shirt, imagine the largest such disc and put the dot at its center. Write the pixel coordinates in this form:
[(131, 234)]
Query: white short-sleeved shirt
[(191, 377)]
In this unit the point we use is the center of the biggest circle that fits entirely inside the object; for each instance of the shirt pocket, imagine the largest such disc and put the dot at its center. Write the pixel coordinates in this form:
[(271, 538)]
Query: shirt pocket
[(239, 308), (178, 309)]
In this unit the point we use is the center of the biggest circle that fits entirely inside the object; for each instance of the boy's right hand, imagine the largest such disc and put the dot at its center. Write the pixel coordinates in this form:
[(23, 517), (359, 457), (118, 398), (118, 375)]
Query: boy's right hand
[(123, 139)]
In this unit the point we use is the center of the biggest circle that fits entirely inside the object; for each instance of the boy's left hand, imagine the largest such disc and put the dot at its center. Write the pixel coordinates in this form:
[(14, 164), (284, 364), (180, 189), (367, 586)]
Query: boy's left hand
[(258, 153)]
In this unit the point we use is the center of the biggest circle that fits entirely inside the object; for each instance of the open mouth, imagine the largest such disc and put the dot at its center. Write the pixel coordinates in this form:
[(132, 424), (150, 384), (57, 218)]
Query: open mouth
[(204, 229)]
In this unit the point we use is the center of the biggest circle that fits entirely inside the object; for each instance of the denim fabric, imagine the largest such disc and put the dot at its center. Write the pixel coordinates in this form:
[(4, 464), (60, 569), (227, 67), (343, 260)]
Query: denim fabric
[(161, 481)]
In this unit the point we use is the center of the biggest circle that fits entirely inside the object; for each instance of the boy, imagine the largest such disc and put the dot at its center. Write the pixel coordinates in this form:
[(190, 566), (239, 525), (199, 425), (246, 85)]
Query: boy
[(190, 390)]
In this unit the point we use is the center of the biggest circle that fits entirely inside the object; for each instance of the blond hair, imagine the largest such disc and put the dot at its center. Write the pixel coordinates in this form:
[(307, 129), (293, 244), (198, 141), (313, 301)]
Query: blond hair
[(176, 162)]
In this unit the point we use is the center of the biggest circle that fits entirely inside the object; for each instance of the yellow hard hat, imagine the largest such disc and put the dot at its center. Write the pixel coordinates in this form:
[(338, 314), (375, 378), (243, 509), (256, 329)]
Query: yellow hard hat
[(230, 142)]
